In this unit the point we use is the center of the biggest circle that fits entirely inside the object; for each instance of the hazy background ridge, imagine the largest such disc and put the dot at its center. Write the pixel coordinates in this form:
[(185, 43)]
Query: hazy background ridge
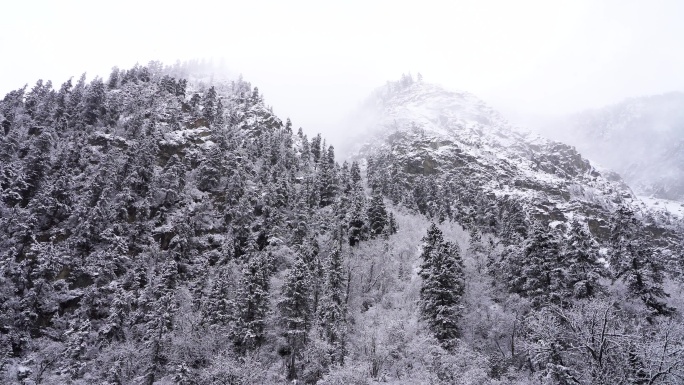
[(315, 62)]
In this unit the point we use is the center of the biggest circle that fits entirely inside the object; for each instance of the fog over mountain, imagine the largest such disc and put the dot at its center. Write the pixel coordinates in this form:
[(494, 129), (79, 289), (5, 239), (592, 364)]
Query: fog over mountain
[(165, 226), (316, 61), (353, 193), (640, 138)]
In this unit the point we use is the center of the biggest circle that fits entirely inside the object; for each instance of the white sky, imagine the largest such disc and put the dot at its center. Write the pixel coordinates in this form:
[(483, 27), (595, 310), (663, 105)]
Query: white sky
[(316, 60)]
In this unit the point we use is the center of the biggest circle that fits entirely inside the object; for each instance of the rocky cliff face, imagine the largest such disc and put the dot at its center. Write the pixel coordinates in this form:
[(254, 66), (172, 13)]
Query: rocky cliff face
[(471, 157)]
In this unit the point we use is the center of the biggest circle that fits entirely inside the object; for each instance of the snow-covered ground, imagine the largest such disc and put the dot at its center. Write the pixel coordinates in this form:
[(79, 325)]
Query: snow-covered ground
[(656, 204)]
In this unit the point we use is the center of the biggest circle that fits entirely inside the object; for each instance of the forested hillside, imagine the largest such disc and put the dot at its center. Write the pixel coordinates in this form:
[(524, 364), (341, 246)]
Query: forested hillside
[(162, 228)]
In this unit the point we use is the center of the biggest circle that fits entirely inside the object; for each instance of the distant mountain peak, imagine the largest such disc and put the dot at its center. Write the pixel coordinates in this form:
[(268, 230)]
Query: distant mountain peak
[(640, 138), (456, 137)]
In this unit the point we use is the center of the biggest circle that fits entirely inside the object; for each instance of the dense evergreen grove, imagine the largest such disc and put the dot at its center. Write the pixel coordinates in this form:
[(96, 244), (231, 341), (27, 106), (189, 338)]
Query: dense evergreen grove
[(160, 229)]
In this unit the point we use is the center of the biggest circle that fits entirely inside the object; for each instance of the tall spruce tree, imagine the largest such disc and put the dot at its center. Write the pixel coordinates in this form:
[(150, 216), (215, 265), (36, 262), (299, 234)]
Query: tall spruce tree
[(295, 311), (443, 286), (209, 106), (316, 147), (355, 172), (251, 307), (94, 101), (357, 217), (580, 258), (327, 177), (377, 215), (433, 238), (537, 272), (333, 308), (633, 261)]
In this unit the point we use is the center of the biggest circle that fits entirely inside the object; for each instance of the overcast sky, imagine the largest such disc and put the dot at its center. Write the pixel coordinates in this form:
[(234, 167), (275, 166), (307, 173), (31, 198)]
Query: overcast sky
[(315, 60)]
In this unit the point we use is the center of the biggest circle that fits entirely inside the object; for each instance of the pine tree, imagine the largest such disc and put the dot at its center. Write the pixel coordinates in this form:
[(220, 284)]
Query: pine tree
[(94, 101), (195, 101), (392, 226), (251, 307), (328, 177), (209, 105), (38, 104), (357, 217), (61, 106), (514, 224), (377, 215), (74, 102), (421, 195), (113, 81), (633, 261), (316, 148), (256, 98), (580, 258), (355, 172), (210, 170), (537, 272), (333, 308), (295, 311), (181, 87), (219, 119), (442, 288), (431, 241)]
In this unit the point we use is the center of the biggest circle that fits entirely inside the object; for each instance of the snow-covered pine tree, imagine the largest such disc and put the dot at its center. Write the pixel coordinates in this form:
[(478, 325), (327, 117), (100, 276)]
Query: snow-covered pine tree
[(377, 215), (316, 148), (209, 105), (250, 307), (442, 288), (433, 238), (536, 272), (514, 226), (295, 311), (94, 102), (355, 172), (328, 177), (633, 261), (580, 258), (74, 100), (333, 308), (357, 217)]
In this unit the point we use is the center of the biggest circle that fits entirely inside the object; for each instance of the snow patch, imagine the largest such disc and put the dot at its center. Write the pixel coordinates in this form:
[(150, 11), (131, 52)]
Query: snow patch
[(662, 205), (182, 136)]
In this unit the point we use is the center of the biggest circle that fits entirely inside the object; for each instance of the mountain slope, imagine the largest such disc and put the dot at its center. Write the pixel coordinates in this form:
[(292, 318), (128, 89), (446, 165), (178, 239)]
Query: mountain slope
[(641, 138), (421, 129), (559, 232), (143, 222), (157, 229)]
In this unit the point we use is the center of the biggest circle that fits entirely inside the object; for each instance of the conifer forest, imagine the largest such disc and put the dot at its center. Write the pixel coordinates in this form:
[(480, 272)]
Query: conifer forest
[(162, 227)]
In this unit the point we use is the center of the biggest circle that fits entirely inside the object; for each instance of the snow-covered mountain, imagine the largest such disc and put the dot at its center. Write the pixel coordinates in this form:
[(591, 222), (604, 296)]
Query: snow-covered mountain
[(477, 158), (641, 138), (161, 227)]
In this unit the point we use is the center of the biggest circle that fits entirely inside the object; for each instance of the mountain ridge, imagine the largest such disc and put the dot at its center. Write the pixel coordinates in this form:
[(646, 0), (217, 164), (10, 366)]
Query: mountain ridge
[(461, 130), (156, 229), (640, 138)]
